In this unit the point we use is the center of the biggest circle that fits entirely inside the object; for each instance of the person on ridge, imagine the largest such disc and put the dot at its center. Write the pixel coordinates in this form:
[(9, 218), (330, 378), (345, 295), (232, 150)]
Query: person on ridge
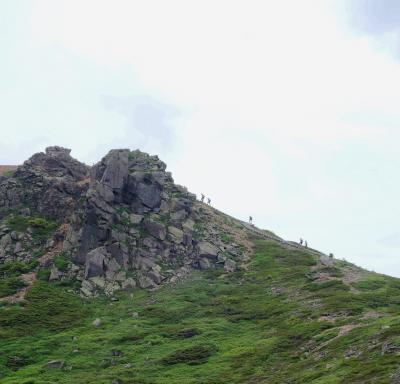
[(250, 220), (202, 198), (208, 201), (301, 241)]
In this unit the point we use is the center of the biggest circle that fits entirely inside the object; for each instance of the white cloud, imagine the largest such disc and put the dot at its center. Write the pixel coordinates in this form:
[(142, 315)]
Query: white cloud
[(266, 106)]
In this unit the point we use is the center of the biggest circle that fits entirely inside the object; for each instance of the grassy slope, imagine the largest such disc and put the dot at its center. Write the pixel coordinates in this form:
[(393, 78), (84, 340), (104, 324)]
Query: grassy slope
[(259, 326)]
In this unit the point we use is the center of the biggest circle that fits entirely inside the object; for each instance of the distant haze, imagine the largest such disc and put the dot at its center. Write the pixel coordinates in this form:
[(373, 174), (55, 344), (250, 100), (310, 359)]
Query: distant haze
[(284, 110)]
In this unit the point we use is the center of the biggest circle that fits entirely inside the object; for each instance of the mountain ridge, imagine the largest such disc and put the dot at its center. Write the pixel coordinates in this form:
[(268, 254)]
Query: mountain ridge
[(115, 274)]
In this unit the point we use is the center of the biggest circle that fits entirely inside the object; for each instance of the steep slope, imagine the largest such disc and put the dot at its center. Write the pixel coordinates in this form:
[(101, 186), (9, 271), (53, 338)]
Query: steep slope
[(218, 300)]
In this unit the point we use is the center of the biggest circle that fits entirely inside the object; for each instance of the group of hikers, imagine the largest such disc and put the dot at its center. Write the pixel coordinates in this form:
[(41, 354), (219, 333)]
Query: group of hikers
[(209, 203), (303, 242), (208, 199)]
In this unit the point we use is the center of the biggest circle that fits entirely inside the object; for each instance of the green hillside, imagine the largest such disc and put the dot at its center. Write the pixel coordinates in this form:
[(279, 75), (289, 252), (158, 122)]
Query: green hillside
[(285, 319)]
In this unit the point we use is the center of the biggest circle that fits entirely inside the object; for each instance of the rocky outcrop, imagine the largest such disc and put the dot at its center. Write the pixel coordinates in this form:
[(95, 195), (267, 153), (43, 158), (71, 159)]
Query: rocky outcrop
[(124, 222), (50, 183)]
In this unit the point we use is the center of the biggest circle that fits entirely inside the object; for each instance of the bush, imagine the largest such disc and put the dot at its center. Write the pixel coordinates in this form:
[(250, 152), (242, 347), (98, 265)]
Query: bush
[(10, 286), (16, 361), (43, 274), (18, 223), (370, 284), (61, 262), (41, 228), (336, 285), (14, 268), (198, 354)]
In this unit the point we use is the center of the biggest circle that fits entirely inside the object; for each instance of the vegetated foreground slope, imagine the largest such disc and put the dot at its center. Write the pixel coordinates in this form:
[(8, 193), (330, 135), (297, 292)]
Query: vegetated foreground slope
[(286, 319)]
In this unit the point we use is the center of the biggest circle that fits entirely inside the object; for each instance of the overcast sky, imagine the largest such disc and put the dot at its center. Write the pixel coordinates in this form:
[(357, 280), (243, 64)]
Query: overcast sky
[(285, 110)]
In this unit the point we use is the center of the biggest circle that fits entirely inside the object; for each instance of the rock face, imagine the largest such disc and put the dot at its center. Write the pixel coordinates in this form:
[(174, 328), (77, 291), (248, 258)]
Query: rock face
[(122, 223), (50, 183)]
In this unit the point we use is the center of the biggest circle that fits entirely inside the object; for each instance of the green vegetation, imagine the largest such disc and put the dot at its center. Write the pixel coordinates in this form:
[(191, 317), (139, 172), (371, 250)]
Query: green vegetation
[(269, 324), (9, 173), (10, 285), (41, 228), (61, 261), (43, 274), (15, 268), (226, 238)]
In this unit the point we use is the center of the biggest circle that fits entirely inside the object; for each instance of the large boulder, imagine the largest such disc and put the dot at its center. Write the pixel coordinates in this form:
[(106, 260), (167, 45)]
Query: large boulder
[(207, 250), (175, 234), (95, 262), (112, 170), (149, 194)]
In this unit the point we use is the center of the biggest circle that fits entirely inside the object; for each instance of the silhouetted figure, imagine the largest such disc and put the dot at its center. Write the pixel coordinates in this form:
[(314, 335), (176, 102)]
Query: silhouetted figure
[(202, 198), (301, 241), (331, 255), (306, 244), (208, 201), (250, 220)]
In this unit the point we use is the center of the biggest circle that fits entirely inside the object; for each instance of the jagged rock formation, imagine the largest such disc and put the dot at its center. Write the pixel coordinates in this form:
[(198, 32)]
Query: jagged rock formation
[(119, 224)]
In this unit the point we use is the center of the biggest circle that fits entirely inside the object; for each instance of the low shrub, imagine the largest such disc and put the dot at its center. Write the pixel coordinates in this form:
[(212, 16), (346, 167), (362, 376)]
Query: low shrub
[(198, 354)]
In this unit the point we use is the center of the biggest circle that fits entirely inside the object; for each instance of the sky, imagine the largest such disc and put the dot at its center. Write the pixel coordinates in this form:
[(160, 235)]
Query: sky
[(283, 110)]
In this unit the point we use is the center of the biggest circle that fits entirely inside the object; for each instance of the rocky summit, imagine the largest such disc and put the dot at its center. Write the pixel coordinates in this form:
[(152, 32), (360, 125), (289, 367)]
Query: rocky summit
[(119, 224), (113, 274)]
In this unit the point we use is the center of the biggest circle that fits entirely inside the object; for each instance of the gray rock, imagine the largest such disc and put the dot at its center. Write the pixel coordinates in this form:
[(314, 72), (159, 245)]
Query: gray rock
[(326, 260), (87, 288), (116, 169), (179, 216), (104, 191), (55, 364), (135, 219), (144, 263), (18, 248), (97, 322), (155, 276), (95, 262), (188, 225), (98, 281), (205, 263), (155, 229), (128, 283), (230, 265), (176, 234), (111, 288), (207, 250), (55, 274), (5, 241), (149, 194), (26, 212), (111, 265), (145, 282)]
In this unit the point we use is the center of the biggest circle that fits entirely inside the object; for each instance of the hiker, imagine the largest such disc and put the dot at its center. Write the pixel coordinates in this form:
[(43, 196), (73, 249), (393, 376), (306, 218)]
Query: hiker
[(208, 201), (305, 244), (250, 220), (202, 198), (331, 255), (301, 241)]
